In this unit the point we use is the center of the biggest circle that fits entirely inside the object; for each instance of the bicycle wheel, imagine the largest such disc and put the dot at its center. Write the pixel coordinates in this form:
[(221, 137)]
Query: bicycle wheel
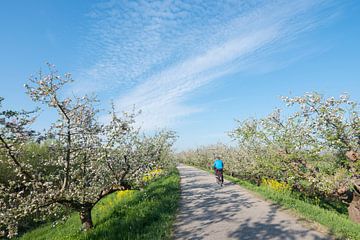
[(218, 177), (221, 179)]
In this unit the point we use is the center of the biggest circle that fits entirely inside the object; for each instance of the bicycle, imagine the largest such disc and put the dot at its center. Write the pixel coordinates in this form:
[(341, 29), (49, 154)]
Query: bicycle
[(219, 177)]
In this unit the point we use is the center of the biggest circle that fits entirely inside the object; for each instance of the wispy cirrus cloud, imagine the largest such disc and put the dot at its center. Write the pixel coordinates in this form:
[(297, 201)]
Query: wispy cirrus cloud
[(153, 55)]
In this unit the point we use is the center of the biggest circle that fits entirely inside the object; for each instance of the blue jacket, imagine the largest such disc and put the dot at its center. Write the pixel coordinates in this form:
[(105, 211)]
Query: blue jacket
[(218, 164)]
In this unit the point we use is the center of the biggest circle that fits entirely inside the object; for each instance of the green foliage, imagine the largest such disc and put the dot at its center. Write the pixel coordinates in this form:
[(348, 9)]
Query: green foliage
[(147, 214)]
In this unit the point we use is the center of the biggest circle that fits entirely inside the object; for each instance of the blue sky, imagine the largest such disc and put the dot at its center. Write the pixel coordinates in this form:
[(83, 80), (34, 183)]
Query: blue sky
[(190, 66)]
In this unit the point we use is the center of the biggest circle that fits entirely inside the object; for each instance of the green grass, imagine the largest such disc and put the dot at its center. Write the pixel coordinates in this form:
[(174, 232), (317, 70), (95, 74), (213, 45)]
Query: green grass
[(338, 224), (330, 215), (147, 214)]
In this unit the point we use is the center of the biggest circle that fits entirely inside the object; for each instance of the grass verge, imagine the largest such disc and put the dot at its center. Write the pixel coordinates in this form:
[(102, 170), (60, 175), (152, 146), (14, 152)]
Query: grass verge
[(146, 214), (339, 225)]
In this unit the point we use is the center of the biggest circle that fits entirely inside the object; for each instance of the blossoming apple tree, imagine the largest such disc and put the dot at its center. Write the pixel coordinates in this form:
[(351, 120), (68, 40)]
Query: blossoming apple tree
[(87, 160), (315, 150)]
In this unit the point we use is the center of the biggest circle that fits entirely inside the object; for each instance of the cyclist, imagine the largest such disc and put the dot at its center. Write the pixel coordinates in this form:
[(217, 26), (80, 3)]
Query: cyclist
[(218, 167)]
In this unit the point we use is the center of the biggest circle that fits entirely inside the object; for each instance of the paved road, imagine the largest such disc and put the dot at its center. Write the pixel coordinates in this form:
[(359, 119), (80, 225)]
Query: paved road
[(208, 211)]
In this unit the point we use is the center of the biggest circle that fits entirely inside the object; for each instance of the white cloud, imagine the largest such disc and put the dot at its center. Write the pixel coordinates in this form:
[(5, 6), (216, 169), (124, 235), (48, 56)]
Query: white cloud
[(155, 54)]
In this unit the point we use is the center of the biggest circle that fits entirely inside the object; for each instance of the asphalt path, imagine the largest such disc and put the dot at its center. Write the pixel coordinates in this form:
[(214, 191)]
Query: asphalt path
[(208, 211)]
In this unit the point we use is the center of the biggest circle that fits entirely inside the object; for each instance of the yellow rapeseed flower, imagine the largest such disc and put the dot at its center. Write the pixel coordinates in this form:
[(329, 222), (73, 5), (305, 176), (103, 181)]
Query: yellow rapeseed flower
[(276, 185), (152, 174), (122, 194)]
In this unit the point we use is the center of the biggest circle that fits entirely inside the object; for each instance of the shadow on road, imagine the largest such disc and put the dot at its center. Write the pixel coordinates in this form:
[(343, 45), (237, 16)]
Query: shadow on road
[(205, 207), (267, 230)]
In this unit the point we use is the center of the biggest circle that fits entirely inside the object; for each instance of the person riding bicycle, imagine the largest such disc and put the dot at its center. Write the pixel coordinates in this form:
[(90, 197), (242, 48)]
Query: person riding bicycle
[(218, 167)]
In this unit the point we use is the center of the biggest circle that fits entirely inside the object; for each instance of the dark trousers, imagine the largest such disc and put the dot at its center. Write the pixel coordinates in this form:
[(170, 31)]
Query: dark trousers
[(220, 172)]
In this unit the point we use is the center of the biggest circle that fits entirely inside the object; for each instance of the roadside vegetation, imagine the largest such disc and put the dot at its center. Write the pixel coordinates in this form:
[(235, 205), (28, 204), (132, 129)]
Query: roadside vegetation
[(332, 215), (128, 214), (308, 160)]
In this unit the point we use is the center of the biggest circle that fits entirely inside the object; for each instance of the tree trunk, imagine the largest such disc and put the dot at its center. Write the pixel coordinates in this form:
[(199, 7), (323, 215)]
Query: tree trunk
[(354, 208), (86, 220)]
